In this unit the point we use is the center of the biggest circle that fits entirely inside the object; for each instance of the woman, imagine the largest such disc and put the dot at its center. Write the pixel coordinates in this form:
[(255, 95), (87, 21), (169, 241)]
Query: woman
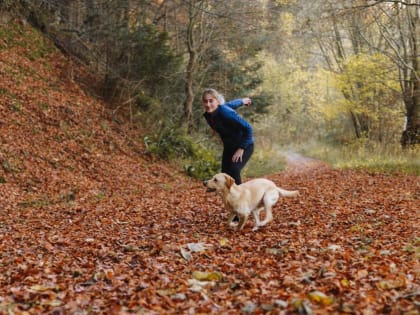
[(236, 133)]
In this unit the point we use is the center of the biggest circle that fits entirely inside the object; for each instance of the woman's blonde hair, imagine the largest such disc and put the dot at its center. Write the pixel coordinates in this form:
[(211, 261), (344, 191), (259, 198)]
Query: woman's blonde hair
[(215, 94)]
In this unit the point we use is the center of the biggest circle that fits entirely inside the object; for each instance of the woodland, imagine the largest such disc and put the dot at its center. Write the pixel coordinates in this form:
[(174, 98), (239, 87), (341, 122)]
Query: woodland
[(103, 149)]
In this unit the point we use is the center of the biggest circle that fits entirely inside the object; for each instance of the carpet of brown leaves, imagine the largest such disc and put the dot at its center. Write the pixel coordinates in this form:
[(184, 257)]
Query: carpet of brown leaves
[(89, 225)]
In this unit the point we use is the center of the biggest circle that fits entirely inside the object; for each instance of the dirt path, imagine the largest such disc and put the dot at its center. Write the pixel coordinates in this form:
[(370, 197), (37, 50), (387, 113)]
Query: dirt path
[(297, 163)]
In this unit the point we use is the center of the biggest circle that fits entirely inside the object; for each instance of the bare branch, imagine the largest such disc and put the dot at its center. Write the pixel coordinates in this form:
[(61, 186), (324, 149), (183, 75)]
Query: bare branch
[(377, 2)]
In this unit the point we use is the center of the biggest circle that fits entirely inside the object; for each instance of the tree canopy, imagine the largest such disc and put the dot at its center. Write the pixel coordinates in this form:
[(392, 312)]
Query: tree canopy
[(323, 64)]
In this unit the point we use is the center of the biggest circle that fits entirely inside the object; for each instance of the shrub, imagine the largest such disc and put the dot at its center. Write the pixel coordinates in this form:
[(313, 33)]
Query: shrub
[(168, 144), (172, 144), (202, 164)]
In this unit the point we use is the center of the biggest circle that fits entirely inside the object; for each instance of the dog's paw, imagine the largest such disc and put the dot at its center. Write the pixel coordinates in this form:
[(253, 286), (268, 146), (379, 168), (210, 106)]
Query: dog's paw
[(255, 228), (233, 225)]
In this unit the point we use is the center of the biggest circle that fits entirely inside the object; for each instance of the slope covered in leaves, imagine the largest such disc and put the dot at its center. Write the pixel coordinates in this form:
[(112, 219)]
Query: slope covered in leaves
[(89, 226)]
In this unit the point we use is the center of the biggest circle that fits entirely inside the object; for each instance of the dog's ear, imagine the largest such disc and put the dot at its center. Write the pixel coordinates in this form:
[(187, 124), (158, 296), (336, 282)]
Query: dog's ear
[(229, 181)]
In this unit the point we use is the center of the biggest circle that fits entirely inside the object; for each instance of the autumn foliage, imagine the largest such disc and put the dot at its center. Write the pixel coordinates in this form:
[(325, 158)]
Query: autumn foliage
[(89, 224)]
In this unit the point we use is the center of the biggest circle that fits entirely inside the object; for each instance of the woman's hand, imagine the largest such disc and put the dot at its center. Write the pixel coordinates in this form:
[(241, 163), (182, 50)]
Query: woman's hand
[(237, 156), (246, 101)]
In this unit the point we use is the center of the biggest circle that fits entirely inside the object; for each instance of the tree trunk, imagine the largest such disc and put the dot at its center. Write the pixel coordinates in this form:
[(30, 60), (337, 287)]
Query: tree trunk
[(189, 92), (411, 97), (189, 79), (411, 134), (356, 125)]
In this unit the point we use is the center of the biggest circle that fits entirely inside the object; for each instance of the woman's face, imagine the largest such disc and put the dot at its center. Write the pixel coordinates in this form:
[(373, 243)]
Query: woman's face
[(210, 103)]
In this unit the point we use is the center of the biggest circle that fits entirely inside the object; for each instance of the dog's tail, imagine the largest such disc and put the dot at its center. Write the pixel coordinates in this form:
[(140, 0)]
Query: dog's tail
[(288, 193)]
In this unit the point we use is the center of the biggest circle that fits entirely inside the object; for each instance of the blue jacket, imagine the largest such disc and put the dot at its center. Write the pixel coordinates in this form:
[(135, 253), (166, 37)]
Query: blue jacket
[(234, 131)]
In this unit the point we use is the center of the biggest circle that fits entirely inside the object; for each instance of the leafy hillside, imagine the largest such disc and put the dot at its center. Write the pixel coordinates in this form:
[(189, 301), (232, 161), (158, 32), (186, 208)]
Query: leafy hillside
[(58, 145), (89, 225)]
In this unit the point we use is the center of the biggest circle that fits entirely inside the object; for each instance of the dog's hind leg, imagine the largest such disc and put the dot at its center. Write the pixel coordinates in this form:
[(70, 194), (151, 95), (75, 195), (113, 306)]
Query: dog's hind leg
[(231, 219), (256, 213), (270, 199), (268, 216), (242, 221)]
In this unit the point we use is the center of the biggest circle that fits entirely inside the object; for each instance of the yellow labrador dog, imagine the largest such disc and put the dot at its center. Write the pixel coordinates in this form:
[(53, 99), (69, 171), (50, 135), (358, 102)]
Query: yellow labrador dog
[(250, 197)]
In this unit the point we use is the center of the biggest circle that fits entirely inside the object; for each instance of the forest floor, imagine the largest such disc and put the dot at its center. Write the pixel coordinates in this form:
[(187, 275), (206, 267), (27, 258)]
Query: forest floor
[(91, 224)]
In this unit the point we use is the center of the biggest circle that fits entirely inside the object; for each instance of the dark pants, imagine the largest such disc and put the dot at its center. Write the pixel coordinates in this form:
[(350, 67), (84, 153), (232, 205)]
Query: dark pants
[(234, 168)]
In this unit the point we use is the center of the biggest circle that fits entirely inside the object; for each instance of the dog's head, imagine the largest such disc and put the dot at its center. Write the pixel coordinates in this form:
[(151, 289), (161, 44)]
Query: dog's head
[(219, 182)]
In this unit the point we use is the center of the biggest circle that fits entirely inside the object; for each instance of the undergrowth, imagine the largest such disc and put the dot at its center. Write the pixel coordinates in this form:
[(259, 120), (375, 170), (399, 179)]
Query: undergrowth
[(202, 162), (172, 144), (365, 155), (265, 161)]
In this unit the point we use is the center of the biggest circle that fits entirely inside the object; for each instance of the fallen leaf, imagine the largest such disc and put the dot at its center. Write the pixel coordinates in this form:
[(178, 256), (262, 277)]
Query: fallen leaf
[(166, 292), (207, 275), (198, 247), (320, 298), (186, 254), (391, 284), (198, 286), (223, 242)]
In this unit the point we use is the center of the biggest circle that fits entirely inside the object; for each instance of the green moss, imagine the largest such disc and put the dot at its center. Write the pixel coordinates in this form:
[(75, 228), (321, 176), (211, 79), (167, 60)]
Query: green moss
[(36, 203), (36, 45)]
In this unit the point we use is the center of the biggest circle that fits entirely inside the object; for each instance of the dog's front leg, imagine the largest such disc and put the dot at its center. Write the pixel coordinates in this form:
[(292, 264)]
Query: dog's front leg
[(232, 216)]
